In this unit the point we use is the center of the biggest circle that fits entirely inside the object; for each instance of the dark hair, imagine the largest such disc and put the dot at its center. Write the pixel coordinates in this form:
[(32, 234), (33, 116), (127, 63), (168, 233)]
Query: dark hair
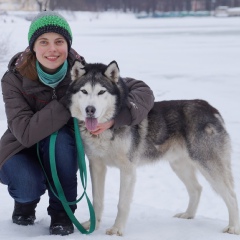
[(27, 68)]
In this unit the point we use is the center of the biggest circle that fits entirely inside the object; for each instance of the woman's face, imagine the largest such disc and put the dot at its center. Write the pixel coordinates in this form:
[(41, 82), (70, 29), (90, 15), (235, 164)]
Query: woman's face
[(51, 51)]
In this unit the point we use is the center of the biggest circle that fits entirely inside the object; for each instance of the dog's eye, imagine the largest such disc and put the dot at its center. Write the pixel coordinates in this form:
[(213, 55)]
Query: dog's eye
[(84, 91), (101, 92)]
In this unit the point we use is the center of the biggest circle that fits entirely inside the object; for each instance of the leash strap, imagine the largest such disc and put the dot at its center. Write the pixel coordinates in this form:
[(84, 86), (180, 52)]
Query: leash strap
[(83, 175)]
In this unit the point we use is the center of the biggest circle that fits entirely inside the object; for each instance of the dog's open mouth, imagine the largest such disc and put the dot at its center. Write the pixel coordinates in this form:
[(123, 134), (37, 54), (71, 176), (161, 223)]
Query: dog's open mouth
[(91, 123)]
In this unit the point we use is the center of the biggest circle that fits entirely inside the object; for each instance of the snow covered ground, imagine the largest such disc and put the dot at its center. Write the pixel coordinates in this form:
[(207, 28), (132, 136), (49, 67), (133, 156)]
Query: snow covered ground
[(183, 58)]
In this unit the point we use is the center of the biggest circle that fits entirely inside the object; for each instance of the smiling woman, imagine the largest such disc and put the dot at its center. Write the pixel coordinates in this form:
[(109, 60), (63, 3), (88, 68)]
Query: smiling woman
[(51, 51), (34, 92)]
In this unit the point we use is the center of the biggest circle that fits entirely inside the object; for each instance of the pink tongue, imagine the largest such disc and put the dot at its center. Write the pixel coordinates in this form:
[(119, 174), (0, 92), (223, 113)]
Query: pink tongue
[(91, 123)]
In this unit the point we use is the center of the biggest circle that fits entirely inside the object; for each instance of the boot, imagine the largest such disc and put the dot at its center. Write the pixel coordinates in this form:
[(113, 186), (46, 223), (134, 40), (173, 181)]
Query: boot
[(61, 224), (24, 213)]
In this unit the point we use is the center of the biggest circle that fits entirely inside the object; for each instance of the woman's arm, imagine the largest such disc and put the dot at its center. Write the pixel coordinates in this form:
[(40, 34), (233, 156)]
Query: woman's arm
[(29, 127), (139, 103)]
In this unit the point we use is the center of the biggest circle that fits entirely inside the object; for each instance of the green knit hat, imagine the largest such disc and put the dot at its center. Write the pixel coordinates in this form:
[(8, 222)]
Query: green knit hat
[(49, 21)]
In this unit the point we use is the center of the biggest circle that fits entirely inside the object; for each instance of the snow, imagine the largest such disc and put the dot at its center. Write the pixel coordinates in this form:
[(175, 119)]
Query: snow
[(180, 58)]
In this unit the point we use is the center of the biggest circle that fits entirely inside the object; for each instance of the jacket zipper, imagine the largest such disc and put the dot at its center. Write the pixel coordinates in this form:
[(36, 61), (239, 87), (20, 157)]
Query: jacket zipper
[(54, 96)]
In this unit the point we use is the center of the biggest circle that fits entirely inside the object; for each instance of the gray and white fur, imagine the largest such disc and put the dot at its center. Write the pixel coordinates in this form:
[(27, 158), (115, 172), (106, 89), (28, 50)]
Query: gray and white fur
[(189, 134)]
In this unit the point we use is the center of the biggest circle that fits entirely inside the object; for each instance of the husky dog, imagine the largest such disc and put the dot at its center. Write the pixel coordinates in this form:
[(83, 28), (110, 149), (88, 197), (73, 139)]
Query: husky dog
[(189, 134)]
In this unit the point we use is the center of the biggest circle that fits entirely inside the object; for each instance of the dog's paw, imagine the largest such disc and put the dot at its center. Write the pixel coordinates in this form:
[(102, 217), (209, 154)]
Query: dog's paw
[(232, 230), (184, 215), (114, 231), (87, 224)]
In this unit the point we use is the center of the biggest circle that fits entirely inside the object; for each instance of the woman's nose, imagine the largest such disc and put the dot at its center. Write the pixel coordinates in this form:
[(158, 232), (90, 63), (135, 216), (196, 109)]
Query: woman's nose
[(52, 47)]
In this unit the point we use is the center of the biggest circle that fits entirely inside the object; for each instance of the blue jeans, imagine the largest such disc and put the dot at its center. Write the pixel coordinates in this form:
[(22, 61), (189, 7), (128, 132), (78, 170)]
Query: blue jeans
[(25, 178)]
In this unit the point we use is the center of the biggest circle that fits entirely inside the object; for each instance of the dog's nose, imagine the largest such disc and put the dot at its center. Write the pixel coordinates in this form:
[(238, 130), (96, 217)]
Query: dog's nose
[(90, 110)]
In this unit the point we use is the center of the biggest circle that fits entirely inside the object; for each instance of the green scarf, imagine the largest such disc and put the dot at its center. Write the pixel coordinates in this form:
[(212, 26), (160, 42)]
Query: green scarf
[(52, 80)]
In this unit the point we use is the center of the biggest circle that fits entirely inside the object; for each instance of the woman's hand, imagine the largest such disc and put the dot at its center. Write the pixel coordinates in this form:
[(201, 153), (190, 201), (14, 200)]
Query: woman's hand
[(101, 127)]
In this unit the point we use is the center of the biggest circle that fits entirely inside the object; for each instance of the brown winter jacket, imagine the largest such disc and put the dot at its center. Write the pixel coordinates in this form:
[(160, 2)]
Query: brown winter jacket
[(32, 114)]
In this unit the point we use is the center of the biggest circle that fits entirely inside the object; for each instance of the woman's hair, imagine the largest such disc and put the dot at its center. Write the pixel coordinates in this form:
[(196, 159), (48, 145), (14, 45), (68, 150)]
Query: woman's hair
[(27, 68)]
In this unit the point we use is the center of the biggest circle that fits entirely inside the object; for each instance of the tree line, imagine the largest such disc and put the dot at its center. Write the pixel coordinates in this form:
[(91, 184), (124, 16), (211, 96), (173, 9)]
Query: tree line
[(141, 5)]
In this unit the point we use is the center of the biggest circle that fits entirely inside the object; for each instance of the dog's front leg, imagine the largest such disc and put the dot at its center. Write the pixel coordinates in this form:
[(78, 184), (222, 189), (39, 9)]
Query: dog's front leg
[(127, 183), (98, 174)]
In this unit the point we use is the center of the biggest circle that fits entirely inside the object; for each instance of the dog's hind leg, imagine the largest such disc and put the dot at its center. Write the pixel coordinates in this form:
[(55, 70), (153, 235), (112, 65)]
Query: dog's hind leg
[(219, 175), (127, 183), (186, 172)]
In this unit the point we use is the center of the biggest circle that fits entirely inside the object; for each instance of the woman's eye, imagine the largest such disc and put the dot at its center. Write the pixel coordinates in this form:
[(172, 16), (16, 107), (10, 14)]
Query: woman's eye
[(43, 42), (60, 42), (84, 91), (101, 92)]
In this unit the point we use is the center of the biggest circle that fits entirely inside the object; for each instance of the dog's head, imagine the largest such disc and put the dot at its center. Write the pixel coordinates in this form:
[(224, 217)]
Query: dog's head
[(94, 92)]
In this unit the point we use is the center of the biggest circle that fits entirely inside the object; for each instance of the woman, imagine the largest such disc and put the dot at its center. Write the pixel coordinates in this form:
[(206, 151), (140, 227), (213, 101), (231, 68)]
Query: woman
[(33, 92)]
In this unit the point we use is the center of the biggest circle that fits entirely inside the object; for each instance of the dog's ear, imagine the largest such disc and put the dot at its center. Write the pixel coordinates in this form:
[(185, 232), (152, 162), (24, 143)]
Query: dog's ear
[(112, 72), (77, 70)]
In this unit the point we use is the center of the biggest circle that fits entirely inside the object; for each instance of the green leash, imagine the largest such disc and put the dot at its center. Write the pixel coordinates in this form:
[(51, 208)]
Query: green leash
[(83, 175)]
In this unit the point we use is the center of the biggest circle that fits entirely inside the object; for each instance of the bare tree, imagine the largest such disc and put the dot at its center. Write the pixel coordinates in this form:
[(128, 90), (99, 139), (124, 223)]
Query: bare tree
[(43, 4)]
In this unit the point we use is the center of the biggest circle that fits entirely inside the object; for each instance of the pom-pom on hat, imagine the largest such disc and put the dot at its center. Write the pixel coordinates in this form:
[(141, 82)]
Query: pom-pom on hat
[(49, 21)]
